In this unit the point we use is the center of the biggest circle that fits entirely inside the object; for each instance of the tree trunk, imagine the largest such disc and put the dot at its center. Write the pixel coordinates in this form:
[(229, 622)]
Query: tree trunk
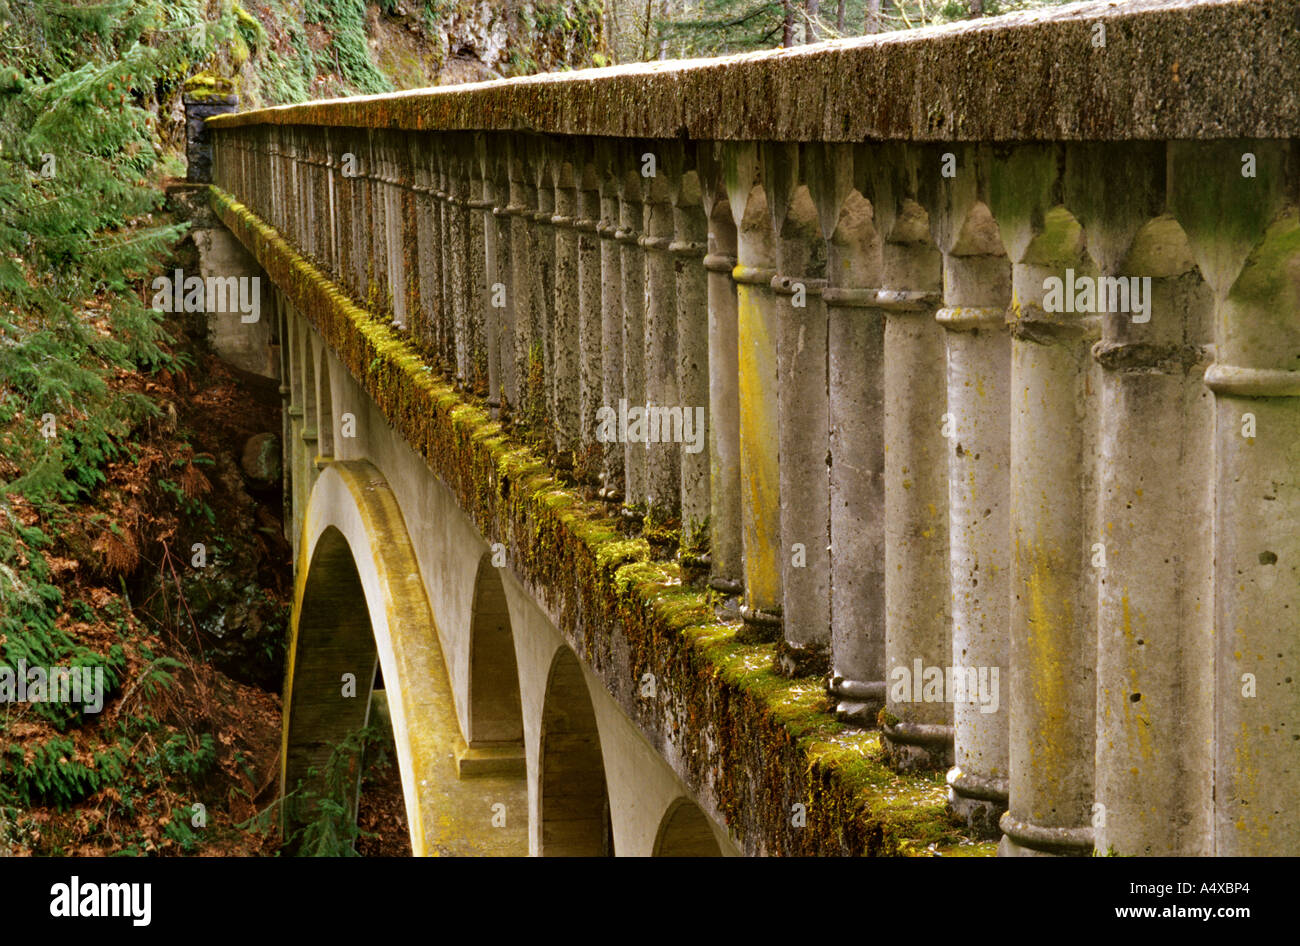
[(976, 8), (839, 18), (645, 33), (872, 24), (814, 7), (787, 34), (664, 12)]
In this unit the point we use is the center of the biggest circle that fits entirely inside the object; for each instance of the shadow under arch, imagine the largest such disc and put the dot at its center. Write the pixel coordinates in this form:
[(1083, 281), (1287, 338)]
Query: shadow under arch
[(573, 798), (360, 600), (495, 710), (685, 832)]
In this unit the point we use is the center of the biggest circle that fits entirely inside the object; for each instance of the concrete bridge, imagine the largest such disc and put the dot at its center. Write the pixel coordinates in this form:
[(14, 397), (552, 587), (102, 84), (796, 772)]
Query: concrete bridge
[(758, 455)]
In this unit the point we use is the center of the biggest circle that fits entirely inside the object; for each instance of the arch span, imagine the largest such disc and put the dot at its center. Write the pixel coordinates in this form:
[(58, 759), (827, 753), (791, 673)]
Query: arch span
[(495, 717), (685, 832), (575, 816), (359, 601)]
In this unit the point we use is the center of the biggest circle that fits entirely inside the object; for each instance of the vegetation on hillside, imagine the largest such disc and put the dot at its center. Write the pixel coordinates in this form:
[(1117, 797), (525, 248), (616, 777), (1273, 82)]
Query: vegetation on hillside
[(99, 479)]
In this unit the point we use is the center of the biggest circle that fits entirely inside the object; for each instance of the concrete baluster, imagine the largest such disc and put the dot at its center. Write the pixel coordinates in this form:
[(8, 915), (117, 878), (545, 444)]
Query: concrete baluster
[(757, 329), (726, 563), (587, 341), (471, 351), (917, 728), (455, 337), (502, 296), (803, 410), (1054, 384), (542, 282), (448, 274), (611, 316), (413, 261), (632, 277), (426, 237), (494, 261), (662, 453), (976, 293), (689, 247), (376, 200), (1155, 657), (524, 345), (329, 159), (1245, 231), (564, 325), (396, 185), (855, 404)]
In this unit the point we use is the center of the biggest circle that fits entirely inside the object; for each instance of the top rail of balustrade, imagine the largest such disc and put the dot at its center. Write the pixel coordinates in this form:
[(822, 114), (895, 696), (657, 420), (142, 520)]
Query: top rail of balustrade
[(1160, 70)]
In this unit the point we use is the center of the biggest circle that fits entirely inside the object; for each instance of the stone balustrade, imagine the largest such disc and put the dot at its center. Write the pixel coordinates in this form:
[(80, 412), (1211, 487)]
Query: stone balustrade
[(978, 350)]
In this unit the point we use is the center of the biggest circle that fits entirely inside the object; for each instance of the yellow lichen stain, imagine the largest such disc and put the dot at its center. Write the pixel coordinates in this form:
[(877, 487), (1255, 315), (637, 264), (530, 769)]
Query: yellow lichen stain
[(1049, 619), (761, 475)]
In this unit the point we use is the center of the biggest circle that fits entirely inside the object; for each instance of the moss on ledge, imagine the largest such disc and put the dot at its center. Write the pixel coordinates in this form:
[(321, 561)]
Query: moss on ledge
[(754, 745)]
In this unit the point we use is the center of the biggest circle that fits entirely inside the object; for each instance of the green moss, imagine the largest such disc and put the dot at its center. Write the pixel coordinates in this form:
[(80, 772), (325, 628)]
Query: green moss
[(208, 84)]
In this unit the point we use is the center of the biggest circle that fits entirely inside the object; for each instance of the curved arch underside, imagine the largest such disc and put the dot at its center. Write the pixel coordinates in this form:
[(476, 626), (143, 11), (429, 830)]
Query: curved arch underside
[(685, 832), (361, 599), (574, 799)]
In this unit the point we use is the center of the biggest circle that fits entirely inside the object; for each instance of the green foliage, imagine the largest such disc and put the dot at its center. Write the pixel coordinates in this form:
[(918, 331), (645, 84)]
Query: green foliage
[(346, 20), (328, 823), (77, 176), (55, 775), (78, 189)]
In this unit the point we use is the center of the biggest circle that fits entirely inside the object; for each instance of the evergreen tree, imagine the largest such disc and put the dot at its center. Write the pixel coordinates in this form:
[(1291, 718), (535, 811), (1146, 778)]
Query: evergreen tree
[(79, 154), (79, 166)]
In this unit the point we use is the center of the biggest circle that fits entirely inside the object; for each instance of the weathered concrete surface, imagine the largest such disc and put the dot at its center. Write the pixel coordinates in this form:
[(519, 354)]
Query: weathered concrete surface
[(1169, 69)]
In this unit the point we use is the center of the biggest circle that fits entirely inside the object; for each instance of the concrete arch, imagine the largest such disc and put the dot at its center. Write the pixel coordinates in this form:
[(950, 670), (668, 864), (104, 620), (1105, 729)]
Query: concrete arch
[(574, 818), (685, 832), (495, 715), (361, 600)]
